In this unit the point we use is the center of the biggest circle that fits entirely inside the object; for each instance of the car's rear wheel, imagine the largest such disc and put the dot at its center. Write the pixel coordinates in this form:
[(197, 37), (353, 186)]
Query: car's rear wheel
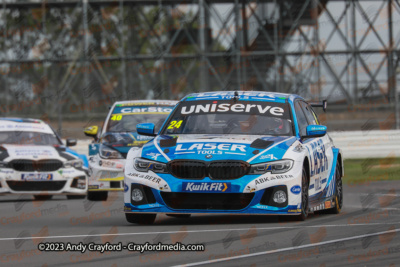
[(75, 196), (338, 193), (97, 196), (304, 197), (140, 218), (179, 215), (42, 197)]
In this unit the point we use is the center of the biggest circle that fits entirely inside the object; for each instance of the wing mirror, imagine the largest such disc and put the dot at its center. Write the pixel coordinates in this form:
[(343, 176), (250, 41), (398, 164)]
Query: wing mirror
[(145, 129), (92, 131), (71, 142), (315, 131)]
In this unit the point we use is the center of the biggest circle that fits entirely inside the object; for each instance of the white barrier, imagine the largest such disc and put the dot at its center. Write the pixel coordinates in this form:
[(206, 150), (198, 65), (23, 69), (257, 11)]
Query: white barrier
[(355, 144)]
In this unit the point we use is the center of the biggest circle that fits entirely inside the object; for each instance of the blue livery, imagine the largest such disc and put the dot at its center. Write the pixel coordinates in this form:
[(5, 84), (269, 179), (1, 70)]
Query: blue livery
[(235, 152)]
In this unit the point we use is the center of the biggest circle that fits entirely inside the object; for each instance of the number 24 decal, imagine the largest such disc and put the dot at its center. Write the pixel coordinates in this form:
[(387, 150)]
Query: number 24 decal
[(175, 124)]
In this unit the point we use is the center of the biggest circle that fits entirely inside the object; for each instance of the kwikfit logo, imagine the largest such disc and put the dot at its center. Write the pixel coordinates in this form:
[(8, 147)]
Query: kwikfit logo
[(206, 187)]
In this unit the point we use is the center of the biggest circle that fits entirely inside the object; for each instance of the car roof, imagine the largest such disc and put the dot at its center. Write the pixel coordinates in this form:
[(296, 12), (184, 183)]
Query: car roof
[(243, 95), (24, 124), (146, 102)]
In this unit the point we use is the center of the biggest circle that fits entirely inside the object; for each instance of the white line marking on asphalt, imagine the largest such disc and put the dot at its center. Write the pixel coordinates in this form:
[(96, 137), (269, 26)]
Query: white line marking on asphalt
[(379, 194), (287, 249), (371, 207), (199, 231)]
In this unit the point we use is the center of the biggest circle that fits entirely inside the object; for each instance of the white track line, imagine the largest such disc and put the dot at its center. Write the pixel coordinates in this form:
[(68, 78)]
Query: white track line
[(287, 249), (372, 207), (379, 194), (196, 231)]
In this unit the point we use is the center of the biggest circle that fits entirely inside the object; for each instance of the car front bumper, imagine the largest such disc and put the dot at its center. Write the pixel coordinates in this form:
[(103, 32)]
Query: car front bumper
[(106, 175), (65, 181)]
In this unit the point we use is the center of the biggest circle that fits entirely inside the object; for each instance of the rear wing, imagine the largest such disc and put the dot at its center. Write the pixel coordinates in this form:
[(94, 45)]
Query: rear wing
[(322, 104)]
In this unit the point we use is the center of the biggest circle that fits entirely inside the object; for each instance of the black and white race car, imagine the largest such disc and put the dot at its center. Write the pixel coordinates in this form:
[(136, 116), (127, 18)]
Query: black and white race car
[(33, 160)]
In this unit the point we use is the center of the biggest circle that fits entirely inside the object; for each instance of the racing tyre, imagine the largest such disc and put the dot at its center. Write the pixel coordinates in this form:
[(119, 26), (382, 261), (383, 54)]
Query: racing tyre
[(338, 193), (42, 197), (180, 215), (97, 196), (75, 196), (304, 197), (140, 218)]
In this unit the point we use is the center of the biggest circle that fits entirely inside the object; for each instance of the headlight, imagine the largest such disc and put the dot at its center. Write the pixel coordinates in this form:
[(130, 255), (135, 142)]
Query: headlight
[(109, 153), (4, 164), (143, 165), (280, 166), (73, 164)]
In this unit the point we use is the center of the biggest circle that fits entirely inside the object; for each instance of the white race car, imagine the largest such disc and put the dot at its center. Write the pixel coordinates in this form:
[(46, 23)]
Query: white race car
[(33, 160), (108, 153)]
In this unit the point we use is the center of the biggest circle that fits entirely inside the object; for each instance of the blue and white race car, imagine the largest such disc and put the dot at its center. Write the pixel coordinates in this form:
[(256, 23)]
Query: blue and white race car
[(118, 135), (33, 160), (235, 153)]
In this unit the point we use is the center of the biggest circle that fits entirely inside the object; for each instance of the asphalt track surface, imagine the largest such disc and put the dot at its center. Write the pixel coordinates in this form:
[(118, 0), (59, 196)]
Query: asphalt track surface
[(366, 233)]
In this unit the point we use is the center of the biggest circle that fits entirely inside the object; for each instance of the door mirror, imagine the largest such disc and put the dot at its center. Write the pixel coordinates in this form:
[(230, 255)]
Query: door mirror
[(146, 129), (71, 142), (315, 131), (91, 131)]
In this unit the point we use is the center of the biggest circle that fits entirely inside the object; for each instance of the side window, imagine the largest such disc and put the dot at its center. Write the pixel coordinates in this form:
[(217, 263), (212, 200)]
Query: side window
[(301, 119), (311, 117), (315, 116)]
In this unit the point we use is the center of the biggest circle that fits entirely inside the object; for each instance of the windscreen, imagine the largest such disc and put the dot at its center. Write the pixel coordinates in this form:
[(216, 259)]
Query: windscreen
[(229, 117), (125, 118), (28, 138)]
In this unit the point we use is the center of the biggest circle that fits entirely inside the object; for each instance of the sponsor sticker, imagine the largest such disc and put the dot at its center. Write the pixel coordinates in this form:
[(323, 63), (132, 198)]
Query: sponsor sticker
[(269, 156), (297, 210), (296, 189), (327, 205), (126, 188), (206, 187), (37, 176), (271, 109), (121, 111), (93, 186), (154, 156)]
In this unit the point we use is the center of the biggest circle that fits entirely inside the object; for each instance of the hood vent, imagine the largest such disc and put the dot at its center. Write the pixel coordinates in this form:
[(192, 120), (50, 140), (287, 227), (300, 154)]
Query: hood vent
[(261, 144), (168, 142)]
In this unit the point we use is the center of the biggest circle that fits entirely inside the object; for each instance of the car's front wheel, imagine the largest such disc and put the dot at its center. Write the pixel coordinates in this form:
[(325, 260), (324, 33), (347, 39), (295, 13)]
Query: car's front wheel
[(42, 197), (304, 197), (140, 218), (97, 196)]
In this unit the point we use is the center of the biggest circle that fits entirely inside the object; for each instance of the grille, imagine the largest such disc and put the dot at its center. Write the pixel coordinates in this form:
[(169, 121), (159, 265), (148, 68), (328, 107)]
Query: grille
[(225, 170), (36, 185), (40, 165), (207, 201), (216, 170), (188, 169)]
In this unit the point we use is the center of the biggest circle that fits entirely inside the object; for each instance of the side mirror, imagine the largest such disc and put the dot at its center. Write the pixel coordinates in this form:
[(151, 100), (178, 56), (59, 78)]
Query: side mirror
[(315, 131), (146, 129), (71, 142), (91, 131)]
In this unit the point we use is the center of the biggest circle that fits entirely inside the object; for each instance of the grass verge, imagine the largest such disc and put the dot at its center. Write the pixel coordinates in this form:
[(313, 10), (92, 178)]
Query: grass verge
[(360, 171)]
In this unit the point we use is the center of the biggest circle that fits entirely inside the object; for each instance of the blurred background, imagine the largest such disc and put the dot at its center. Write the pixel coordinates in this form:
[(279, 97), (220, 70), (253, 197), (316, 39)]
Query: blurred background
[(67, 61)]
